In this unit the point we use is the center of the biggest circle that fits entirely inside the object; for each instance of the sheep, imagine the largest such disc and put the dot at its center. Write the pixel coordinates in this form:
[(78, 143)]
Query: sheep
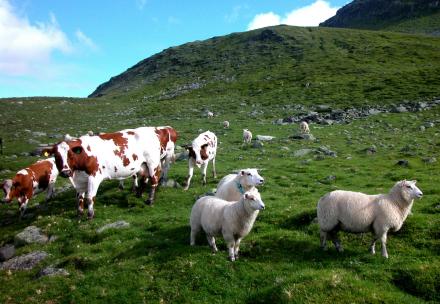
[(304, 127), (209, 114), (233, 186), (226, 124), (358, 212), (234, 220), (247, 136)]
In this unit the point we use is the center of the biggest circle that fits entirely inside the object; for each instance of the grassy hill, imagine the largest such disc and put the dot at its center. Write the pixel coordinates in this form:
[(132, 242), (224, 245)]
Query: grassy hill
[(284, 64), (151, 261), (408, 16)]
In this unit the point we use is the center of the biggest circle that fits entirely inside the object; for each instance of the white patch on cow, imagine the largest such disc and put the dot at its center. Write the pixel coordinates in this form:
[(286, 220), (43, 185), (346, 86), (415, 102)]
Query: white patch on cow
[(23, 172)]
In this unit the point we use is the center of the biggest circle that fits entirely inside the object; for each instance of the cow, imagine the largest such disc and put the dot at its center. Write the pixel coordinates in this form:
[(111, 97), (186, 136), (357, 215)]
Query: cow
[(201, 151), (92, 159), (30, 181)]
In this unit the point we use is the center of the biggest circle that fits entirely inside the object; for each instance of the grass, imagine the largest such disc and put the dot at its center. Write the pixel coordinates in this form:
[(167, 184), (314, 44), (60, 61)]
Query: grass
[(281, 262)]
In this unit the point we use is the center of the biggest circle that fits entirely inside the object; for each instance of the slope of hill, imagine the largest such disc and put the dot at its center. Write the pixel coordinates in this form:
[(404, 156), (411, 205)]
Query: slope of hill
[(409, 16), (284, 63)]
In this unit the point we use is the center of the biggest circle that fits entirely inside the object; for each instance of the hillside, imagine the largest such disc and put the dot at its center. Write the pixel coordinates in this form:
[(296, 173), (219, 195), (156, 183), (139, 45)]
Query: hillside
[(279, 64), (408, 16)]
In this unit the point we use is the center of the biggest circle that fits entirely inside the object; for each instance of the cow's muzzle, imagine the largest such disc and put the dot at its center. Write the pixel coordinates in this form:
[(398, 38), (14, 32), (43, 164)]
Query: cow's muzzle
[(66, 173)]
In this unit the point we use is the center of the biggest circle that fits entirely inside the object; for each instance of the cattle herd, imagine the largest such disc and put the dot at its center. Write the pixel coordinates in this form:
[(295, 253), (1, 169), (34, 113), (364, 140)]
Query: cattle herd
[(145, 154)]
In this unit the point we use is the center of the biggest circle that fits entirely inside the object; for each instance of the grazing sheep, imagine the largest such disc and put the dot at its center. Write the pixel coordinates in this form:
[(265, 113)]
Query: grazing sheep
[(233, 186), (234, 220), (226, 124), (90, 133), (247, 136), (209, 114), (358, 212), (304, 127)]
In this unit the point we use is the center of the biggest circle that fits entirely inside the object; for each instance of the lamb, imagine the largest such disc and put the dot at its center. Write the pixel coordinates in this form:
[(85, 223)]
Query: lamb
[(209, 114), (304, 127), (247, 136), (226, 124), (233, 186), (234, 220), (358, 212)]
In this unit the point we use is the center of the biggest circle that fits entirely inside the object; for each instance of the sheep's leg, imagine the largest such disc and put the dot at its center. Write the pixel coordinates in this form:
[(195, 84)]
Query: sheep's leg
[(211, 241), (373, 245), (231, 250), (194, 232), (237, 248), (190, 173), (336, 241), (323, 238), (204, 168), (383, 240)]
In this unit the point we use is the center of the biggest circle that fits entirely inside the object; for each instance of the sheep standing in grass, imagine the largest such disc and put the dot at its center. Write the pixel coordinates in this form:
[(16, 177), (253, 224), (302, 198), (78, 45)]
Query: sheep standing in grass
[(234, 220), (226, 124), (304, 127), (247, 136), (233, 186), (209, 114), (358, 212)]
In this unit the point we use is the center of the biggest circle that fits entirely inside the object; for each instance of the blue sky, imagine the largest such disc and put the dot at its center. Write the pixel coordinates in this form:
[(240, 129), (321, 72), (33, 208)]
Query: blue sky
[(68, 48)]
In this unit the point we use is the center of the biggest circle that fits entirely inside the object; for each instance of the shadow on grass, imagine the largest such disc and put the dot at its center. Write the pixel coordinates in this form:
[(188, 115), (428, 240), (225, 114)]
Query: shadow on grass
[(300, 220)]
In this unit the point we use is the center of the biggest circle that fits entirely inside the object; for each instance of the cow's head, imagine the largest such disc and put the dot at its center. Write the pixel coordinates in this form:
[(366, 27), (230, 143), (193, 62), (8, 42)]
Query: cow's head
[(6, 187), (67, 156), (197, 152), (250, 177), (20, 188)]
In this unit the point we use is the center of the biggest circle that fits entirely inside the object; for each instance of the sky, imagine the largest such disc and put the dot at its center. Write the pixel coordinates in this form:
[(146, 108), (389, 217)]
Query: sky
[(67, 48)]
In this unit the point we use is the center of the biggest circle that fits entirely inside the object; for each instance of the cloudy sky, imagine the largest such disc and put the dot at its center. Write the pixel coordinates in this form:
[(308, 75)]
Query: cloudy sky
[(68, 48)]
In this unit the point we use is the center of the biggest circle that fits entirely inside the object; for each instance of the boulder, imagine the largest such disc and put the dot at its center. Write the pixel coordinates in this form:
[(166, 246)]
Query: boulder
[(30, 235), (264, 137), (52, 271), (6, 252), (302, 152), (115, 225), (24, 262)]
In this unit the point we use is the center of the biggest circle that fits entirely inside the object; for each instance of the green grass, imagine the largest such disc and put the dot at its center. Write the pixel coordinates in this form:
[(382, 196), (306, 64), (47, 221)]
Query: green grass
[(281, 262)]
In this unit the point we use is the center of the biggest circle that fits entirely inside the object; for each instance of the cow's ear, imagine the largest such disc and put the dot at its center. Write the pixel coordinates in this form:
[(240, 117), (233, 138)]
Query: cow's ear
[(77, 150), (47, 152)]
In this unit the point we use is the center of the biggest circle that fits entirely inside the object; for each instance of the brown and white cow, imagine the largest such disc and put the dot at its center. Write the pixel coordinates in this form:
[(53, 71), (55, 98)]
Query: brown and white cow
[(30, 181), (92, 159), (201, 151)]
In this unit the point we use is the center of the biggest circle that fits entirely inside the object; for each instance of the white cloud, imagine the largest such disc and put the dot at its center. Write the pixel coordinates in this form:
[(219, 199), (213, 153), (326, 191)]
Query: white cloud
[(24, 46), (85, 40), (310, 15)]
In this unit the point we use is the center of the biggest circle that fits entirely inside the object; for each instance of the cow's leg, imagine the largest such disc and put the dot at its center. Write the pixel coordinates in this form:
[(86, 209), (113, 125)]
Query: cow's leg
[(204, 168), (24, 202), (80, 199), (135, 186), (92, 189), (154, 183), (214, 173), (50, 191), (121, 185), (190, 173)]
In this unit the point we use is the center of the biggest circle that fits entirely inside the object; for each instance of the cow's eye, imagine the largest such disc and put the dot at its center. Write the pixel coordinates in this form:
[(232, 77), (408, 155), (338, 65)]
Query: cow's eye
[(77, 150)]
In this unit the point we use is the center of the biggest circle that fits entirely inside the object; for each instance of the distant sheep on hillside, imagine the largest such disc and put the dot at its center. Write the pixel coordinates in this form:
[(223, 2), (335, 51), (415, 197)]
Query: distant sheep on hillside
[(247, 136)]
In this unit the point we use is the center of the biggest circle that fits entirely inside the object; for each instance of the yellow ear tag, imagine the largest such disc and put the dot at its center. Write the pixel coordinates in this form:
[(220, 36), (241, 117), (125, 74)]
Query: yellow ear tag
[(46, 154)]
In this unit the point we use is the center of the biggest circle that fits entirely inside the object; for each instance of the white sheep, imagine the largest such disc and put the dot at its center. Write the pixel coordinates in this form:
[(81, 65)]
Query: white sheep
[(234, 220), (226, 124), (304, 127), (209, 114), (247, 136), (233, 186), (358, 212)]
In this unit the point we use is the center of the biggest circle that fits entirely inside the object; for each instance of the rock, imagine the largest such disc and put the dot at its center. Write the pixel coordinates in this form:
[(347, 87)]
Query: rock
[(323, 108), (326, 151), (403, 163), (182, 156), (329, 179), (257, 144), (52, 271), (327, 122), (371, 150), (171, 183), (24, 262), (429, 125), (38, 134), (264, 137), (302, 152), (429, 160), (308, 137), (115, 225), (374, 112), (6, 252), (399, 109), (30, 235)]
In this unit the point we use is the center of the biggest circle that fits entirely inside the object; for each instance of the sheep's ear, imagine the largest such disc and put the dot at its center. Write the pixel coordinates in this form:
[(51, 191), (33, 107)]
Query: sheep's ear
[(414, 181), (242, 172), (249, 196)]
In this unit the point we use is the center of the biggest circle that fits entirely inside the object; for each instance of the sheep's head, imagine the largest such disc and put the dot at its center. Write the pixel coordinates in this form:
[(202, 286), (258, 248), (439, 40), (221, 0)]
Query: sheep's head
[(250, 177), (253, 200), (409, 190)]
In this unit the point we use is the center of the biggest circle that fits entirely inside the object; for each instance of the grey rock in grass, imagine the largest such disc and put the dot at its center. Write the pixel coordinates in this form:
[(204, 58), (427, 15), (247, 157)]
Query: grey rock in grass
[(30, 235), (24, 262), (302, 152), (115, 225), (402, 163), (265, 137), (171, 183), (429, 125), (326, 151), (52, 271), (399, 109), (422, 128), (38, 134), (6, 252), (257, 144), (429, 160), (308, 137), (371, 150)]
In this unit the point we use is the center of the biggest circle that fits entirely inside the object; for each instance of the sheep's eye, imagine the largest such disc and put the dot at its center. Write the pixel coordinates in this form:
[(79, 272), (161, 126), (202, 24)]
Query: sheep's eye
[(249, 174), (408, 186)]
